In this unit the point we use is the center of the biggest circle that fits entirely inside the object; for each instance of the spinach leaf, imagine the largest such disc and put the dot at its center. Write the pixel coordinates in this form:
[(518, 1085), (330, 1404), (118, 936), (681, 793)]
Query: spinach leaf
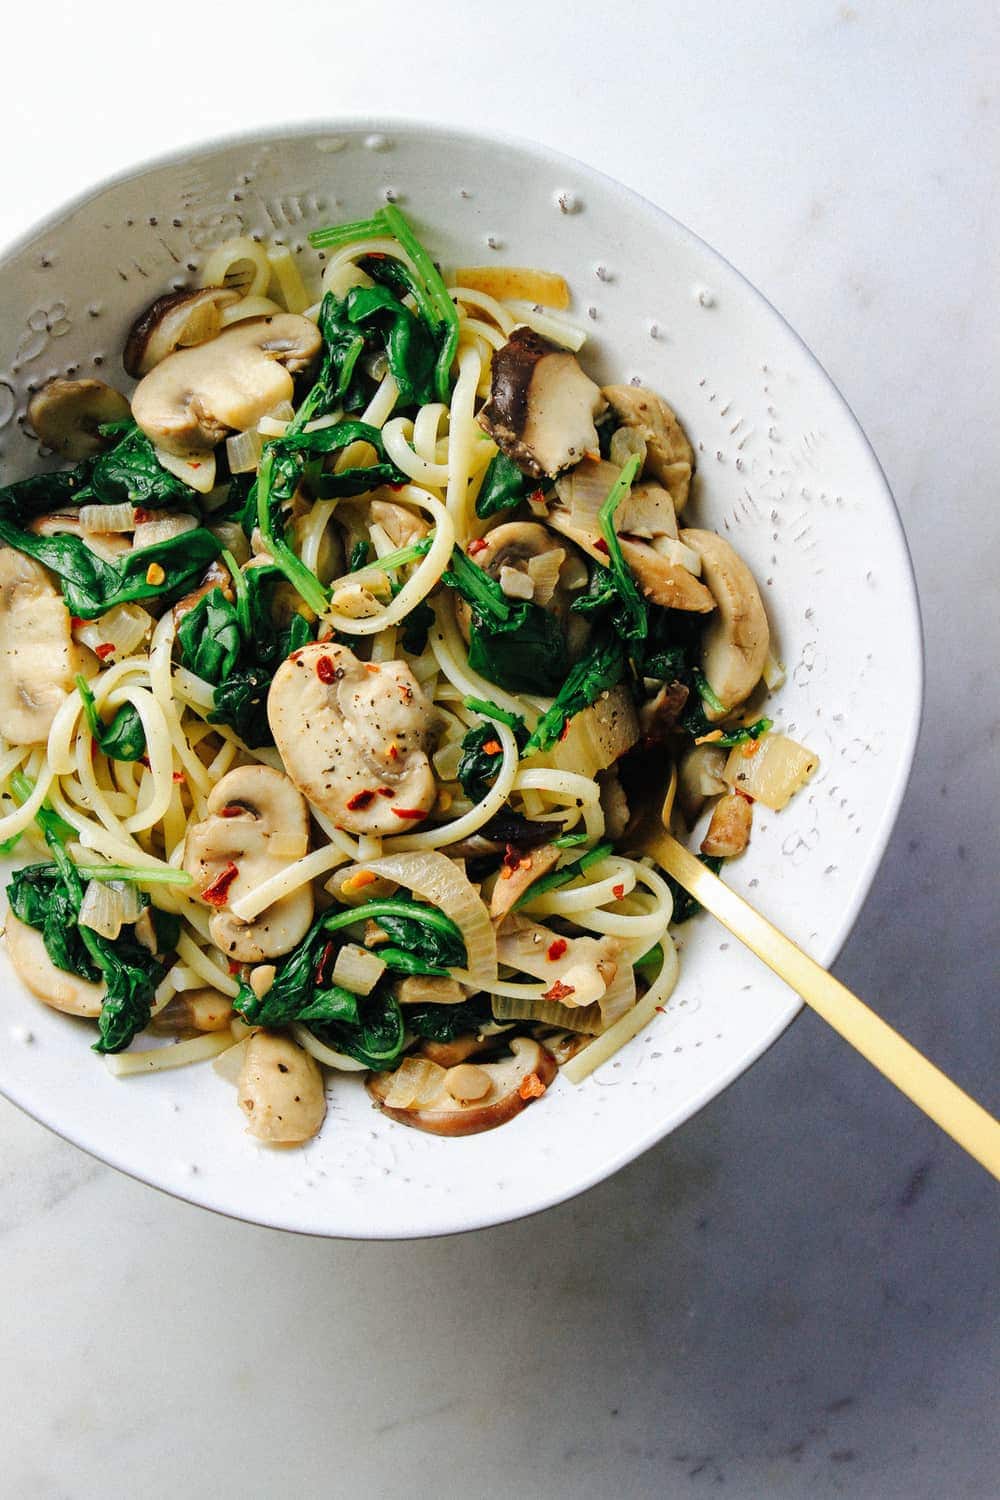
[(241, 703), (402, 961), (601, 668), (378, 1039), (747, 733), (124, 738), (632, 623), (413, 925), (130, 471), (359, 556), (482, 757), (520, 646), (443, 1023), (300, 991), (504, 485), (91, 585), (209, 638), (409, 346), (649, 965), (28, 498), (415, 628)]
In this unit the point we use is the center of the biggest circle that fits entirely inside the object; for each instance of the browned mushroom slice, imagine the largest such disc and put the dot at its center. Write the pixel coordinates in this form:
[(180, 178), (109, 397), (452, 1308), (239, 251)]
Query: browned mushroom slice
[(662, 581), (728, 832), (734, 647), (216, 576), (669, 455), (67, 416), (514, 880), (180, 320), (354, 737), (542, 406), (501, 1090), (195, 397)]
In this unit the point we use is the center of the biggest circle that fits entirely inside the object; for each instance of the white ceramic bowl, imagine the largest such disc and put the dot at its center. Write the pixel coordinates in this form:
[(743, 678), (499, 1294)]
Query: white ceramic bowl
[(784, 470)]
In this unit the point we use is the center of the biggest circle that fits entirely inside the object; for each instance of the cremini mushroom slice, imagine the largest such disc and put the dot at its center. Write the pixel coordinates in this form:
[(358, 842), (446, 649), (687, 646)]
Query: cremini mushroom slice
[(39, 659), (728, 832), (354, 737), (661, 580), (513, 1082), (33, 966), (734, 646), (542, 406), (280, 1090), (195, 397), (180, 320), (669, 455), (449, 1054), (257, 825), (514, 878), (67, 416)]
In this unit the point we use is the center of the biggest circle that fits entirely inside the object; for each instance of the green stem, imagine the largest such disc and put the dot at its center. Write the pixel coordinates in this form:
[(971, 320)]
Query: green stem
[(437, 292)]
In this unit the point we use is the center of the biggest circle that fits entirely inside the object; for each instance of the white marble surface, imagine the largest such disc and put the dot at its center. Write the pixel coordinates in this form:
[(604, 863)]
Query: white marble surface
[(795, 1295)]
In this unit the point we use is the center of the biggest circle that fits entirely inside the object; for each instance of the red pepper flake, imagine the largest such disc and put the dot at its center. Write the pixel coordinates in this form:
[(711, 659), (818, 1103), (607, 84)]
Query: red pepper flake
[(196, 465), (217, 893), (234, 968), (360, 800), (564, 732), (179, 776), (386, 791), (557, 949), (531, 1087), (601, 545), (324, 959), (492, 747), (145, 761), (618, 891), (325, 669), (538, 496), (231, 810), (478, 545), (75, 622), (140, 516), (659, 1010), (394, 487), (104, 650), (409, 812), (559, 991), (512, 857), (393, 751)]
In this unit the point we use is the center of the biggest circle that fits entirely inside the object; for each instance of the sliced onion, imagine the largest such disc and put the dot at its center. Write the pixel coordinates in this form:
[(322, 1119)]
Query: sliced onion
[(446, 760), (105, 518), (357, 969), (586, 1018), (678, 553), (125, 627), (163, 529), (415, 1082), (626, 442), (439, 880), (243, 451), (101, 909), (197, 471), (233, 538), (132, 907)]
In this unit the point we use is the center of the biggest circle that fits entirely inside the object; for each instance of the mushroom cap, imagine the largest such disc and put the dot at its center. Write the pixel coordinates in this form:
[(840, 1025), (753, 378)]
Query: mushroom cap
[(257, 822), (542, 406), (734, 646), (661, 581), (280, 1090), (669, 455), (178, 320), (67, 415), (39, 659), (194, 397), (354, 737), (445, 1115), (33, 966)]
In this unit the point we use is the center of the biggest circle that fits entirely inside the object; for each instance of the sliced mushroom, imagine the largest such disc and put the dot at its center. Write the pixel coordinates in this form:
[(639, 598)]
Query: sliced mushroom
[(669, 455), (699, 776), (660, 715), (67, 522), (661, 580), (646, 512), (39, 657), (33, 966), (579, 970), (280, 1090), (514, 879), (450, 1054), (728, 832), (257, 824), (512, 1084), (428, 989), (734, 646), (196, 397), (403, 527), (542, 406), (354, 737), (67, 416), (180, 320)]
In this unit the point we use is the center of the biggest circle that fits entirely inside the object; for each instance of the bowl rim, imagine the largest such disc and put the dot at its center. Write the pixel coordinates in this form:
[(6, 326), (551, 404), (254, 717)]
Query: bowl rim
[(908, 730)]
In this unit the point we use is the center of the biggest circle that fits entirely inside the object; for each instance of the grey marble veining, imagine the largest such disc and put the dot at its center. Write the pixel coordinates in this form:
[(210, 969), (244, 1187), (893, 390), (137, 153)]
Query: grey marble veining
[(796, 1294)]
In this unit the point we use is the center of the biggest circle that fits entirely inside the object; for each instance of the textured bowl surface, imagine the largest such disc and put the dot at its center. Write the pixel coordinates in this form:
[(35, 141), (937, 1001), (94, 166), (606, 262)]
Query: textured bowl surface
[(784, 471)]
